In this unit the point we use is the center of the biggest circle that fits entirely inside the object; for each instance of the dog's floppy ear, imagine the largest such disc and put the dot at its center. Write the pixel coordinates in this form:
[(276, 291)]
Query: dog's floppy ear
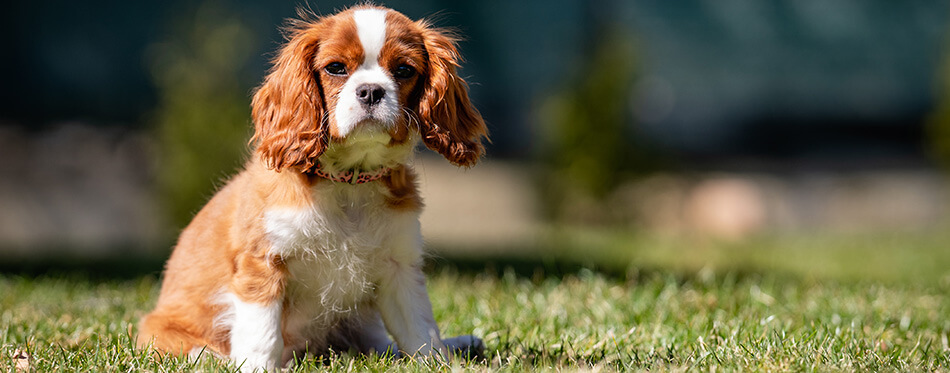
[(288, 109), (449, 124)]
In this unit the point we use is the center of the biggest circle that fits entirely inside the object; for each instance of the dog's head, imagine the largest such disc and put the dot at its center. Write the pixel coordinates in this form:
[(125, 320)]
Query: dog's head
[(364, 79)]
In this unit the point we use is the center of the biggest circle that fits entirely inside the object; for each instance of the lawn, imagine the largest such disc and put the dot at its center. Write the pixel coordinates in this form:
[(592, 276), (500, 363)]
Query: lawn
[(583, 301)]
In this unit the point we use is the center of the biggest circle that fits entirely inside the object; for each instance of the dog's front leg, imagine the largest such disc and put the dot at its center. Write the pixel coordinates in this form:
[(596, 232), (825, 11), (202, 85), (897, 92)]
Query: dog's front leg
[(403, 302), (256, 302), (405, 308)]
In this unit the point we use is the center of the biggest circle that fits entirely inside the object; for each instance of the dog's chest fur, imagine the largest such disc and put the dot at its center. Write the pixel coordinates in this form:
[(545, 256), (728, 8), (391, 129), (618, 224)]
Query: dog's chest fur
[(335, 251)]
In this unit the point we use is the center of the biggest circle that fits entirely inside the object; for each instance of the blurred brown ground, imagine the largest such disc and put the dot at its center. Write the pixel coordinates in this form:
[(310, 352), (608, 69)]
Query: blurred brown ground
[(89, 190)]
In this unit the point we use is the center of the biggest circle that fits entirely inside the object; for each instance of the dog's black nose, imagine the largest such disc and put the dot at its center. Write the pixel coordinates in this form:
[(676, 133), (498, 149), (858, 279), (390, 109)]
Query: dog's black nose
[(370, 94)]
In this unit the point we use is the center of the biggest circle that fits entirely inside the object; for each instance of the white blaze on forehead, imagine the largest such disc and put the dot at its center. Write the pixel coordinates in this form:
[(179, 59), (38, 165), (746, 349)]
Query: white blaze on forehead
[(371, 28)]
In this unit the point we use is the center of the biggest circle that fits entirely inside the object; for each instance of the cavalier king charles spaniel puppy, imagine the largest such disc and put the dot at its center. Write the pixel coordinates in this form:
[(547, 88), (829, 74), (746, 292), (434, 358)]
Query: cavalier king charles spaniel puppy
[(315, 244)]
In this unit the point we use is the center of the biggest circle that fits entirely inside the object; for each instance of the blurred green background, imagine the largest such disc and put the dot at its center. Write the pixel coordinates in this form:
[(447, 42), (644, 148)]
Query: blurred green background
[(625, 134)]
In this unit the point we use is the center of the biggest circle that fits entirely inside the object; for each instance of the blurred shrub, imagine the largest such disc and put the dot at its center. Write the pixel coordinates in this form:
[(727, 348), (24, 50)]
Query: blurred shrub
[(939, 123), (202, 121), (588, 143)]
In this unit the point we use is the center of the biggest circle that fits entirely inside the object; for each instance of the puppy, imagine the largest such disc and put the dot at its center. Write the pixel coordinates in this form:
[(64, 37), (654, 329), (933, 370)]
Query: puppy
[(316, 243)]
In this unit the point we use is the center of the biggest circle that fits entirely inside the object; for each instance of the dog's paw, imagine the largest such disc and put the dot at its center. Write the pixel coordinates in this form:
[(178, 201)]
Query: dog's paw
[(465, 346)]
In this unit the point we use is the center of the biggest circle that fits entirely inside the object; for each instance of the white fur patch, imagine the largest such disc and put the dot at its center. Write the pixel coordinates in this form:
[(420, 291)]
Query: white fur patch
[(256, 341), (371, 29), (336, 251), (367, 150)]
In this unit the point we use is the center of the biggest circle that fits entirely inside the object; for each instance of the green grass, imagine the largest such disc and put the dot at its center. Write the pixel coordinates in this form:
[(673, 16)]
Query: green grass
[(806, 303)]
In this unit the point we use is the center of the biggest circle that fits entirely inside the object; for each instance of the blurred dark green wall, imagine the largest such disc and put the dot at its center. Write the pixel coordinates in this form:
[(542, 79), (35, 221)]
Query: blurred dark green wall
[(773, 78)]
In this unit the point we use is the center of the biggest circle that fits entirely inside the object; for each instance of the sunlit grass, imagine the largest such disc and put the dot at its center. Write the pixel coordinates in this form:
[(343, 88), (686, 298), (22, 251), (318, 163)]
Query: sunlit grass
[(908, 257), (672, 306)]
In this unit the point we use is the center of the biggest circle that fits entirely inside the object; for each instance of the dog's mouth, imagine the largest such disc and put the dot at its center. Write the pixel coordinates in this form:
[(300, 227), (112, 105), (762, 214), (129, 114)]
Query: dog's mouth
[(371, 122), (369, 131)]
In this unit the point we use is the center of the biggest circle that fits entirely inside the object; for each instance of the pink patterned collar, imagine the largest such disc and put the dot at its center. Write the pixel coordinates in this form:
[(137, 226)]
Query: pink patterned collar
[(352, 176)]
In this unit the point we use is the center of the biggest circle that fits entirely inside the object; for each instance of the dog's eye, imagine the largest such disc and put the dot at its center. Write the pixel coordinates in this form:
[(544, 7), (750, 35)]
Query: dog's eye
[(335, 68), (404, 71)]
